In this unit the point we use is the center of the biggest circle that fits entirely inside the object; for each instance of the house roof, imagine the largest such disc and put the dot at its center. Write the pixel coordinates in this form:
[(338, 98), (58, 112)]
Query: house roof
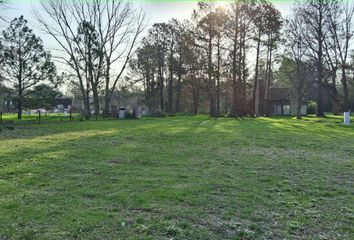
[(278, 94)]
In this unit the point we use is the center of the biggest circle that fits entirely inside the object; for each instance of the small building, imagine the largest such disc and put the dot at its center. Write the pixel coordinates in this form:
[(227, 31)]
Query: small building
[(278, 102), (57, 104), (62, 103), (7, 105)]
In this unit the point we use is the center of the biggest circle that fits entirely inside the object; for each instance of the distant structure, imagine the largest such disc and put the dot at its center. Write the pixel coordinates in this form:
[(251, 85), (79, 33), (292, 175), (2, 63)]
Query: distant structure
[(62, 104), (278, 101), (56, 104)]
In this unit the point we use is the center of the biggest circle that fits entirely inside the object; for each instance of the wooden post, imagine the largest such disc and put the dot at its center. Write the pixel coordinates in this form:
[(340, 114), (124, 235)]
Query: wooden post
[(39, 116), (70, 115)]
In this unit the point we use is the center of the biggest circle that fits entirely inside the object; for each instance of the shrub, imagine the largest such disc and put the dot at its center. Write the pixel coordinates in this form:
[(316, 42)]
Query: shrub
[(311, 107), (158, 113), (129, 114)]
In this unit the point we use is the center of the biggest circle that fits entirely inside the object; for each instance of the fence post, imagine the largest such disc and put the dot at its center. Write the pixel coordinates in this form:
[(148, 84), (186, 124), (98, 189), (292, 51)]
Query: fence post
[(39, 116), (70, 115)]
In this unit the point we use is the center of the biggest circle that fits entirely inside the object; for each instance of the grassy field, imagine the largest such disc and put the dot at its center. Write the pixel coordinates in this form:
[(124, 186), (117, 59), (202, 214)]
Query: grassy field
[(178, 178), (34, 117)]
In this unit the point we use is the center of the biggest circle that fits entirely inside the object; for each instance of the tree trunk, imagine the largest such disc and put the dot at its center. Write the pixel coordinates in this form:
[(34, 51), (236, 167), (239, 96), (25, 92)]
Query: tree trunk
[(211, 81), (346, 102), (87, 110), (320, 79), (244, 76), (195, 95), (96, 101), (218, 81), (178, 90), (86, 95), (19, 106), (256, 112), (319, 101), (268, 74), (161, 88), (170, 82), (106, 105), (298, 107), (170, 95), (234, 80), (153, 92), (20, 87), (235, 103)]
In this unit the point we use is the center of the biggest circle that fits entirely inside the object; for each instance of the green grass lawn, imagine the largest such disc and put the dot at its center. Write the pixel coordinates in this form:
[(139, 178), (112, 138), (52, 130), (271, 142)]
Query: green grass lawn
[(178, 178), (34, 117)]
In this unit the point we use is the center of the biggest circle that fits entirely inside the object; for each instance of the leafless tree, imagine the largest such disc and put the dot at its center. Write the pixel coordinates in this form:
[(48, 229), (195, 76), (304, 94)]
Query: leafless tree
[(316, 16), (296, 68), (118, 25), (341, 33)]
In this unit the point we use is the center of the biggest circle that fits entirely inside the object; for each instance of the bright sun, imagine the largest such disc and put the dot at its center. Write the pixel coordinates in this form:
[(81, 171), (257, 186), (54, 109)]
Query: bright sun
[(221, 4)]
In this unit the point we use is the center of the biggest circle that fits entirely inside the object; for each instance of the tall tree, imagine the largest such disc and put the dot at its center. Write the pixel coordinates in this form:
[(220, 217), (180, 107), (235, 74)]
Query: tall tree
[(183, 42), (144, 66), (238, 31), (316, 16), (91, 59), (207, 30), (273, 25), (341, 33), (25, 63), (118, 25), (194, 67), (295, 70), (159, 37), (221, 18), (266, 24), (173, 36), (259, 29), (296, 75)]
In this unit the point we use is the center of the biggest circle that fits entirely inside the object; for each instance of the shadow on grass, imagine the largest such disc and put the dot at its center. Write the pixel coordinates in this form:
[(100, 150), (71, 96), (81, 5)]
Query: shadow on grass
[(210, 173)]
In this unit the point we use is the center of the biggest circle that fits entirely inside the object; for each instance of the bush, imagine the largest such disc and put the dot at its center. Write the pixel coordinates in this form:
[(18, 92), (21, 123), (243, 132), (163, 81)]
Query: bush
[(311, 107), (129, 114), (158, 113), (10, 125)]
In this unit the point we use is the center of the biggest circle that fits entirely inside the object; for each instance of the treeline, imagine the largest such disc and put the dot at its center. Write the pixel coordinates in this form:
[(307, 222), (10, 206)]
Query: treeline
[(211, 63), (95, 41)]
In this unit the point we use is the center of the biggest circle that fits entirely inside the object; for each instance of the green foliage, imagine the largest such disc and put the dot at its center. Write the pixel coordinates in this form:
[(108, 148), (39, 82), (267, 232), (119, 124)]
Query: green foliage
[(129, 114), (24, 61), (158, 113), (311, 107), (181, 178)]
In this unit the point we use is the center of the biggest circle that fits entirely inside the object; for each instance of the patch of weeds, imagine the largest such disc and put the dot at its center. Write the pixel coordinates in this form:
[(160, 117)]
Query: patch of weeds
[(28, 235), (245, 234), (173, 231), (233, 225), (294, 225), (142, 229), (140, 220), (255, 227)]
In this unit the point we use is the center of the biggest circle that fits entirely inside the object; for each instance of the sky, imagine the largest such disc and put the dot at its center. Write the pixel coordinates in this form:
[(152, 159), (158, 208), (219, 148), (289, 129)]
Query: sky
[(156, 11)]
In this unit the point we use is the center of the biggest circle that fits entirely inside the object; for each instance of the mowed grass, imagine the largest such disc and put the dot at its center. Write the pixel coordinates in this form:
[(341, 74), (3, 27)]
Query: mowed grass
[(178, 178), (34, 117)]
